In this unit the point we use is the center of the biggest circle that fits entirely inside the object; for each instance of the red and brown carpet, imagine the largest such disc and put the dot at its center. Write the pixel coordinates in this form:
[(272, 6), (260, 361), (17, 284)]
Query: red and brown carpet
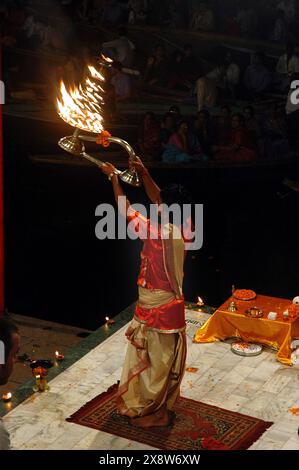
[(196, 426)]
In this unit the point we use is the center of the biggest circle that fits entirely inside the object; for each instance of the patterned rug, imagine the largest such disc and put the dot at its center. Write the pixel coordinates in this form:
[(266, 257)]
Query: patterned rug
[(196, 425)]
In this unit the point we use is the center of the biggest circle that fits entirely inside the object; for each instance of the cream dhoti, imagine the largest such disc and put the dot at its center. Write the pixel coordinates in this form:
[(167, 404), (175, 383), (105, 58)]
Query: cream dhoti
[(156, 354)]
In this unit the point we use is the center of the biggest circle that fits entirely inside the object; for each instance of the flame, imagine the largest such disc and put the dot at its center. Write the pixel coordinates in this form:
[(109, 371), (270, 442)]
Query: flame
[(106, 59), (107, 318), (81, 106), (200, 301)]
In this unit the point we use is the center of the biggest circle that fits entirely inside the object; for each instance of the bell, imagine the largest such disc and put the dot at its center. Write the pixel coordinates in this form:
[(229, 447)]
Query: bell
[(72, 144), (131, 177), (232, 307)]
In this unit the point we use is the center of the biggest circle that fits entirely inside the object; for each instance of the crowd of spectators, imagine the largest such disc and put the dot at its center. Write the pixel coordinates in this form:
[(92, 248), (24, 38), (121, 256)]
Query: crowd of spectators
[(224, 136), (242, 136), (274, 20)]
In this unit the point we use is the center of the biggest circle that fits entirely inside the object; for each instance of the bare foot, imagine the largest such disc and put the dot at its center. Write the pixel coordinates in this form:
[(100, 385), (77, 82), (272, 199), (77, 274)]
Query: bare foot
[(159, 419)]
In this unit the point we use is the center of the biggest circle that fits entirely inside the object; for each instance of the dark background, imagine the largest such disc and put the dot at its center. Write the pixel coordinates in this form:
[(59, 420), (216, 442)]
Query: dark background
[(56, 268)]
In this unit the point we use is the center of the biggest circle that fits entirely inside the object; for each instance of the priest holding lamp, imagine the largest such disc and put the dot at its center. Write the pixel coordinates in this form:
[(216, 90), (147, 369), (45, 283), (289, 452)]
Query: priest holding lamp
[(156, 354)]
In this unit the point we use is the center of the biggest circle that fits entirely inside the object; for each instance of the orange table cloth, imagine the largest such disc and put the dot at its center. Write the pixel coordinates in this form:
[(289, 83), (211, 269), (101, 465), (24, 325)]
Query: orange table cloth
[(277, 334)]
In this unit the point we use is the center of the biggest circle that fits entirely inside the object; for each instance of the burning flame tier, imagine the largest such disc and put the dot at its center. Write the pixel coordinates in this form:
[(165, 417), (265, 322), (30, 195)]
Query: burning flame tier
[(81, 107)]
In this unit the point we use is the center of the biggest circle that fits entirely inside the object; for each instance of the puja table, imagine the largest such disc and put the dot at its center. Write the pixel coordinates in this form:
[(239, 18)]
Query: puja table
[(277, 334)]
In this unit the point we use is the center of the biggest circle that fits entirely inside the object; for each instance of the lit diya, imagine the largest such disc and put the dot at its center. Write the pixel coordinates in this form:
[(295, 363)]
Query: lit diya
[(59, 356), (200, 303), (40, 369), (109, 321), (6, 397)]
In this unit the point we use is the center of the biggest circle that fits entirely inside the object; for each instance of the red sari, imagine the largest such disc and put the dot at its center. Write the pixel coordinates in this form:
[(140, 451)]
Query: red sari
[(241, 148)]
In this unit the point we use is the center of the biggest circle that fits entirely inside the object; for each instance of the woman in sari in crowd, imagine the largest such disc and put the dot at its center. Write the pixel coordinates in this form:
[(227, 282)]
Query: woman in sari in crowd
[(224, 126), (149, 137), (241, 147), (183, 146), (156, 353)]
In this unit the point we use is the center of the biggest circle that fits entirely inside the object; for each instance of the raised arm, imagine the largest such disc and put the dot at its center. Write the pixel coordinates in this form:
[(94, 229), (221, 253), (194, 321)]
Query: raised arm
[(109, 170), (151, 188)]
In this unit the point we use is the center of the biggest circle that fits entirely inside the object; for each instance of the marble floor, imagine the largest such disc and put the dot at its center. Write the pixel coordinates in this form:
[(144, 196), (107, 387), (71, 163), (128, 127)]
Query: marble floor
[(40, 338), (257, 386)]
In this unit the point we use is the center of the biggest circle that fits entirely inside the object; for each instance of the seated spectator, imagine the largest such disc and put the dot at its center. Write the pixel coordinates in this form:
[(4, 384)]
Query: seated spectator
[(112, 12), (120, 49), (224, 126), (206, 88), (178, 14), (168, 126), (10, 338), (149, 137), (231, 78), (137, 11), (275, 131), (280, 30), (156, 69), (176, 114), (203, 18), (289, 9), (31, 32), (287, 67), (183, 146), (204, 130), (192, 67), (176, 72), (121, 82), (241, 147), (257, 78), (246, 18), (253, 126)]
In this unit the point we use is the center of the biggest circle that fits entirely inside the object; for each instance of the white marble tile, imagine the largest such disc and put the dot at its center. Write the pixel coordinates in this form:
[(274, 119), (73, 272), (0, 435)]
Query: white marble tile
[(291, 444), (258, 386)]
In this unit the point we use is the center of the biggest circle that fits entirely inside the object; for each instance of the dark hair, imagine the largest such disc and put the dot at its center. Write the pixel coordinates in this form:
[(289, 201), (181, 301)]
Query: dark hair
[(240, 117), (205, 112), (251, 110), (166, 116), (7, 329), (175, 194), (182, 121), (225, 106)]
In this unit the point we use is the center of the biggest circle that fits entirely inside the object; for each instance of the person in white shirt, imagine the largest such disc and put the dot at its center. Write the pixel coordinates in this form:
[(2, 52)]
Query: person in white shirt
[(120, 49), (232, 74), (287, 66), (289, 9), (279, 33), (9, 348), (206, 88), (203, 18), (121, 82)]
